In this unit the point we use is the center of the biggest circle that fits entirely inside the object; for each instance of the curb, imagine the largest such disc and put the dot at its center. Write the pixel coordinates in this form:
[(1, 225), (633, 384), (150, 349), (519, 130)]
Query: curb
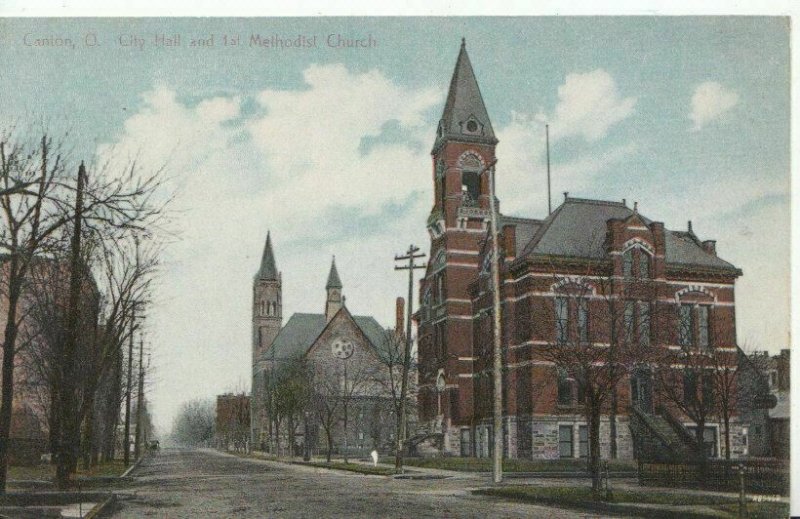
[(130, 469), (101, 507)]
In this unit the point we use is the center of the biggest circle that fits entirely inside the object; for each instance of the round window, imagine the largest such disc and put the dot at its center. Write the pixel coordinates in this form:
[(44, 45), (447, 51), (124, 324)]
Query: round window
[(472, 126)]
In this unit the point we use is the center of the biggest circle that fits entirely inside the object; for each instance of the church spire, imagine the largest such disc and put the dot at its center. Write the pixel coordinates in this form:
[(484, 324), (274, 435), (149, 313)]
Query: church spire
[(335, 299), (268, 270), (465, 116), (333, 277)]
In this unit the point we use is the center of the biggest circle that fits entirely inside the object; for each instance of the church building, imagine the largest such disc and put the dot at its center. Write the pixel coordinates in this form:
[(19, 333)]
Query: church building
[(560, 275), (339, 347)]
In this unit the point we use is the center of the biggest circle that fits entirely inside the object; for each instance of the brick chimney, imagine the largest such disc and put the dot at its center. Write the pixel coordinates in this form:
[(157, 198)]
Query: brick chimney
[(399, 317), (710, 246)]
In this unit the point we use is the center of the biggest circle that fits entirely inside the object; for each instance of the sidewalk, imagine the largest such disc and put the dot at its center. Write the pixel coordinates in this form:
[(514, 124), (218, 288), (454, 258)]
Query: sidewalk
[(409, 471)]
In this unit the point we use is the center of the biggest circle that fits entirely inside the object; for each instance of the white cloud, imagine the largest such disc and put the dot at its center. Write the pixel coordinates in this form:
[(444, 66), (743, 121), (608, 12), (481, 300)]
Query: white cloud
[(710, 101), (291, 169), (588, 105), (522, 168)]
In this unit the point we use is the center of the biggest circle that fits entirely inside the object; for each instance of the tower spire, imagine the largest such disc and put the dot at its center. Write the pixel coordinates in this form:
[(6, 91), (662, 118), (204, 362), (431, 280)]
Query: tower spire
[(333, 276), (465, 116), (335, 299), (268, 270)]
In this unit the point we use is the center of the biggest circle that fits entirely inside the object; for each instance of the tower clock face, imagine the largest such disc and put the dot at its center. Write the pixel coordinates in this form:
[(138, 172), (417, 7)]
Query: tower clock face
[(342, 349)]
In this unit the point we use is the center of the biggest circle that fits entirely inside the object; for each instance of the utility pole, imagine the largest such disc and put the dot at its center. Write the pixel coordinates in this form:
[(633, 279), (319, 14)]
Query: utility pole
[(139, 401), (547, 145), (497, 371), (410, 256), (127, 439)]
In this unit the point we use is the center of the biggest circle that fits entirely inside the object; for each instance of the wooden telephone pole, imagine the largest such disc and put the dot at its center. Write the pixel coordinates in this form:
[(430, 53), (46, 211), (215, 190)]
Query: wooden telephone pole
[(126, 442), (497, 371), (137, 442), (410, 256)]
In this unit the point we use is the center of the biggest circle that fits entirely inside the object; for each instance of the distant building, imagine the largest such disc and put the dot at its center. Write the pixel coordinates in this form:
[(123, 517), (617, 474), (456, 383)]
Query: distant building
[(544, 263), (346, 353), (232, 423), (42, 325), (775, 372)]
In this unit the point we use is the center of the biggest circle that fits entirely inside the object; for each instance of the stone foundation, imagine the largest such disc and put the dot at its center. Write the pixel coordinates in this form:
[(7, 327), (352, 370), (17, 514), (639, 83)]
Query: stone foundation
[(538, 437)]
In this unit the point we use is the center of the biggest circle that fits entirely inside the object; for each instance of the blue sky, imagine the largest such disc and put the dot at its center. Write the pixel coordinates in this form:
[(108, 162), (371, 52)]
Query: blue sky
[(329, 148)]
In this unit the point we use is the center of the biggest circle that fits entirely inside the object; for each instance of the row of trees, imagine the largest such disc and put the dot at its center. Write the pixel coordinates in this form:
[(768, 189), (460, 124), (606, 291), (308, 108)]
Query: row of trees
[(330, 398), (80, 250)]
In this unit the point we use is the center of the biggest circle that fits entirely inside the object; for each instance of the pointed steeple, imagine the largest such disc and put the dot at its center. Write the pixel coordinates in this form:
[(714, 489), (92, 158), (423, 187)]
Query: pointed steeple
[(465, 116), (333, 277), (268, 270)]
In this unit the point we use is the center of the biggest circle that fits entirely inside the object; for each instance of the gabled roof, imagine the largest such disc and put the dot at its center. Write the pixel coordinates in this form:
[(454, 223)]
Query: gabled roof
[(302, 330), (464, 101), (333, 277), (578, 227), (268, 270)]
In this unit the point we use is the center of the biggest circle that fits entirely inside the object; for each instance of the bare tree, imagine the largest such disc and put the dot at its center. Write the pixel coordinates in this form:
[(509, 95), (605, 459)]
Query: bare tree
[(326, 403), (588, 310), (29, 175), (48, 206), (389, 379), (291, 395), (233, 421), (194, 424)]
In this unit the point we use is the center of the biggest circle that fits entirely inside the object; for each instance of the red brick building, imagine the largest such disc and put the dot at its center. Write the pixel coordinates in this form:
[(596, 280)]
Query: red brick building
[(567, 277), (232, 424)]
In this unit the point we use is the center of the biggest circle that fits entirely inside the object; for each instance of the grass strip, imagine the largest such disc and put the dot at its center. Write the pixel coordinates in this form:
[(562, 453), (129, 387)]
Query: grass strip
[(625, 502), (465, 464)]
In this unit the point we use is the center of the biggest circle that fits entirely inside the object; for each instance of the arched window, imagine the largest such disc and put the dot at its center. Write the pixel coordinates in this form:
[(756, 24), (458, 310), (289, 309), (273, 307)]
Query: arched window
[(470, 178), (263, 308)]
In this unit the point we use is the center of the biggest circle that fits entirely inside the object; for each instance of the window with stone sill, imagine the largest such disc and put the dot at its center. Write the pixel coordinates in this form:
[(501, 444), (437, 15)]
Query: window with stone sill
[(636, 320), (565, 449), (636, 263), (694, 321), (569, 310)]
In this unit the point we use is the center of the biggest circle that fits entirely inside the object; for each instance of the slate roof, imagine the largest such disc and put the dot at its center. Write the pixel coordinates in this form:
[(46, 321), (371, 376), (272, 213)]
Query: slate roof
[(268, 270), (525, 230), (464, 100), (577, 228), (302, 330)]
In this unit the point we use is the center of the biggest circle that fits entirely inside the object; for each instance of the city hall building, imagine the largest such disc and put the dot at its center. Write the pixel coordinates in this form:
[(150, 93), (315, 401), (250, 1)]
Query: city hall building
[(595, 247)]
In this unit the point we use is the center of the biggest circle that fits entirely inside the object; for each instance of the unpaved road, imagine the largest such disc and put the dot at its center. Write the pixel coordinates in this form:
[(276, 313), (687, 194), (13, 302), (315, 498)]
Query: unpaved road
[(177, 484)]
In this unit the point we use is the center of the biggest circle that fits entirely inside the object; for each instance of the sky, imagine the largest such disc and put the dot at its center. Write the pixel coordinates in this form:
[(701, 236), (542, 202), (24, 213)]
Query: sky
[(328, 148)]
